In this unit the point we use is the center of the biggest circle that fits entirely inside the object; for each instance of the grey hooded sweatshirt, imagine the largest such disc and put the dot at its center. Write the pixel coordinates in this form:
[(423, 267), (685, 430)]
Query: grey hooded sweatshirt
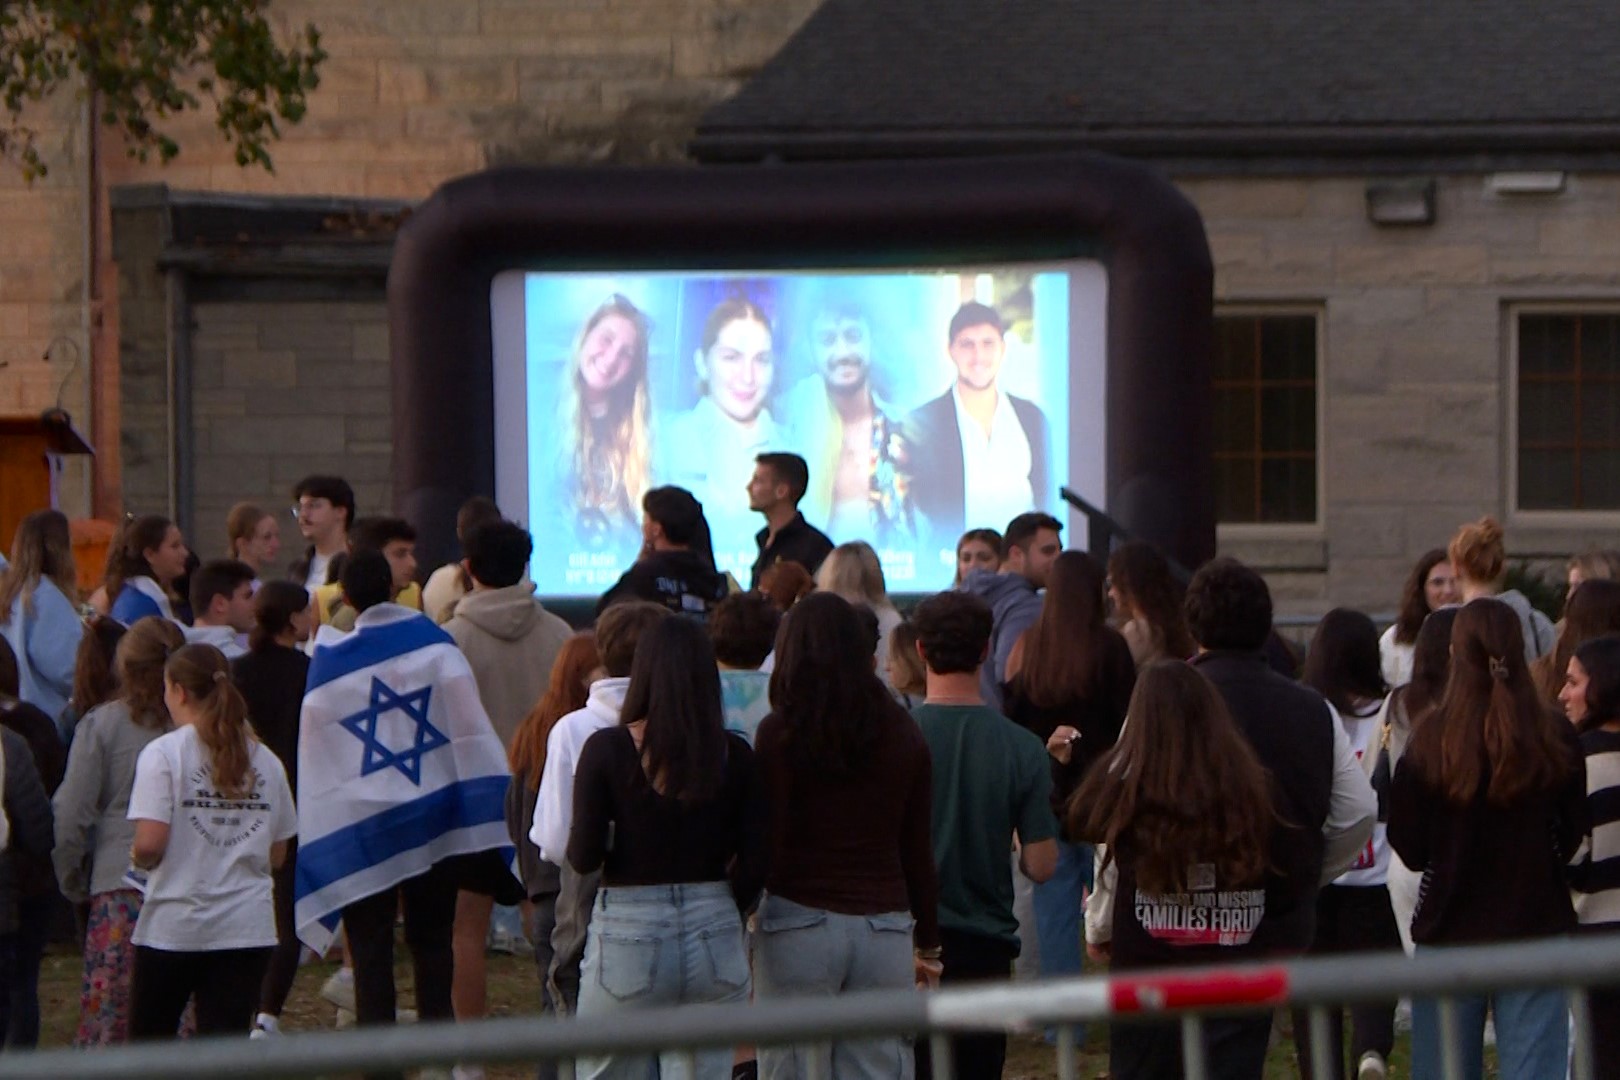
[(511, 642), (1015, 604)]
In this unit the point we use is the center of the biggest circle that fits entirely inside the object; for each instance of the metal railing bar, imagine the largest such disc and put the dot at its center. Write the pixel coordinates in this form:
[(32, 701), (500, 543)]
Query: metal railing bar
[(1451, 1048), (1321, 1051), (1122, 997), (1066, 1069), (1580, 1013), (1194, 1055), (941, 1057)]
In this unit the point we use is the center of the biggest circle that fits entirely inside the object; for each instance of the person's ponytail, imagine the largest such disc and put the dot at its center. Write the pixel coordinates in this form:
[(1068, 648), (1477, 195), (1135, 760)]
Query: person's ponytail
[(222, 716)]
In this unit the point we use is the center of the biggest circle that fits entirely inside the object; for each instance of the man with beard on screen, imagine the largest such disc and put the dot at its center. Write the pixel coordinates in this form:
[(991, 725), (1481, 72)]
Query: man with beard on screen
[(849, 435), (976, 451)]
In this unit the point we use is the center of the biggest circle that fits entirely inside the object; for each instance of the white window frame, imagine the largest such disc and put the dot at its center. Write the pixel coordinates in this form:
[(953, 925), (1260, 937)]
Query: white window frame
[(1512, 311), (1241, 532)]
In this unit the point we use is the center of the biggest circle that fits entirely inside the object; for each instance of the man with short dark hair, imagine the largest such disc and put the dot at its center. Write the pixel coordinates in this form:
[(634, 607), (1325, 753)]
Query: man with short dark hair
[(401, 784), (672, 570), (511, 641), (618, 633), (976, 452), (1029, 547), (324, 506), (992, 788), (743, 629), (221, 606), (778, 483), (395, 538), (1322, 791)]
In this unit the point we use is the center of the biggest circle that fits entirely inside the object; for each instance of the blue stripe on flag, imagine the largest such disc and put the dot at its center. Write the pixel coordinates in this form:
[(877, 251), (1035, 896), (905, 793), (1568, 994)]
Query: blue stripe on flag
[(372, 645), (462, 805)]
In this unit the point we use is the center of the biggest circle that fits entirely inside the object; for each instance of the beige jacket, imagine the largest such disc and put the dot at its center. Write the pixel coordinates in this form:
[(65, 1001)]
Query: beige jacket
[(511, 641)]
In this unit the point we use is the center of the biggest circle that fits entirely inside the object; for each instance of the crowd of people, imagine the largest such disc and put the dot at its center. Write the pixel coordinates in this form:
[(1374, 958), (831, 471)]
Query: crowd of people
[(720, 792)]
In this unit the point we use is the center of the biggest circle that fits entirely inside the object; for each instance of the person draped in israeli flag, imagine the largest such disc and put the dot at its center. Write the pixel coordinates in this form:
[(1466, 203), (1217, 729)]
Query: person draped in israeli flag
[(400, 776)]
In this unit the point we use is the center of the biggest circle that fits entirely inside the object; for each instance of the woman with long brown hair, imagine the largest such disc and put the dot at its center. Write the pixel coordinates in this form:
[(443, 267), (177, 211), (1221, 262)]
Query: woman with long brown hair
[(1147, 598), (208, 924), (92, 827), (1430, 586), (1184, 809), (1069, 683), (38, 619), (1592, 611), (1489, 803), (576, 666), (148, 556), (95, 679)]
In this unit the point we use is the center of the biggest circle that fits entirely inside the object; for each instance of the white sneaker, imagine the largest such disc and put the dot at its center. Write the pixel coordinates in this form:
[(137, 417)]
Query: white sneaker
[(1372, 1067), (467, 1072), (338, 989), (265, 1026)]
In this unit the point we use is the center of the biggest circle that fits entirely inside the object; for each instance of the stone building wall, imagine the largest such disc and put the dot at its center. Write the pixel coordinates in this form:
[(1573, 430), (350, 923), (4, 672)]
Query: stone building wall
[(1415, 353)]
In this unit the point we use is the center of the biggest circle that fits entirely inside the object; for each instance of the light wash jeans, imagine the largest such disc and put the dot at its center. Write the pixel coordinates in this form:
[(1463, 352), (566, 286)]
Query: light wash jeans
[(1059, 904), (803, 951), (653, 945), (1532, 1035)]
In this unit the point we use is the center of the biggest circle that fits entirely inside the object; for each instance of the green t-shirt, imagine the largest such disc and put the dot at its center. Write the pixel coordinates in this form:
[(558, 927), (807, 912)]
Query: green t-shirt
[(991, 779)]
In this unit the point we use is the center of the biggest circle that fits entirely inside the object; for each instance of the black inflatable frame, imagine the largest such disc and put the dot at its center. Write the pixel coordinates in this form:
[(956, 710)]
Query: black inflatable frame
[(903, 213)]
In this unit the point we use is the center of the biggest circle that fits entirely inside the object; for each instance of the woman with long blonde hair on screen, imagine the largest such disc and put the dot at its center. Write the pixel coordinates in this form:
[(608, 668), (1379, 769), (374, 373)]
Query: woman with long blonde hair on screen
[(604, 419)]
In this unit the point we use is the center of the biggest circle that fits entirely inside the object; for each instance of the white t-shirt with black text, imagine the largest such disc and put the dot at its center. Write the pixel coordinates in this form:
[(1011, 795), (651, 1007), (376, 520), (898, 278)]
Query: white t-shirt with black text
[(212, 889)]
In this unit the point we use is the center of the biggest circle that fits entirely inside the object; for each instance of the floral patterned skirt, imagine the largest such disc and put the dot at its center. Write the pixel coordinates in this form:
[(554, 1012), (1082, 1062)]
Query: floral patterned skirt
[(109, 965)]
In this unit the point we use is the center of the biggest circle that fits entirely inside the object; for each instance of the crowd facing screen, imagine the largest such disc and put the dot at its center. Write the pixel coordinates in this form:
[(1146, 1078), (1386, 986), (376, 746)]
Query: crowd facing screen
[(924, 401)]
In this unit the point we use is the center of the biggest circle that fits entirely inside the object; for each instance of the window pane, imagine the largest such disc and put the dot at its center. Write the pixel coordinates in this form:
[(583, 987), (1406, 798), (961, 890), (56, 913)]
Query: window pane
[(1600, 412), (1546, 344), (1236, 343), (1599, 345), (1288, 348), (1547, 412), (1600, 479), (1234, 421), (1546, 479), (1235, 497), (1287, 420), (1288, 489)]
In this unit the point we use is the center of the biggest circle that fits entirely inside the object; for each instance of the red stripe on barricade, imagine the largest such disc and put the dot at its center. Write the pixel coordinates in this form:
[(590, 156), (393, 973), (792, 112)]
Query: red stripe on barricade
[(1204, 990)]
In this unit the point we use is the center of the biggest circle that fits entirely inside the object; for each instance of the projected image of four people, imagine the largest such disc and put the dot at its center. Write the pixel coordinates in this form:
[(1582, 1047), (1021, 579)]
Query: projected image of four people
[(913, 398)]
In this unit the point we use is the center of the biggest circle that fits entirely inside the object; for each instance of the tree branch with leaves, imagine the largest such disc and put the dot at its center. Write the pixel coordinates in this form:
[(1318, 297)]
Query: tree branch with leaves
[(149, 61)]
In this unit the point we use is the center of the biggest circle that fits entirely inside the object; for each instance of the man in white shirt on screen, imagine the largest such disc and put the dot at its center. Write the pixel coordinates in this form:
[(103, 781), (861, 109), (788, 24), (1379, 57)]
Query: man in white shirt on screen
[(976, 453)]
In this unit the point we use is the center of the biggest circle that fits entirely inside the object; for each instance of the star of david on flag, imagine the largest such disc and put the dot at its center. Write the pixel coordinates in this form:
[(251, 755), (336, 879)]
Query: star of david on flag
[(378, 756)]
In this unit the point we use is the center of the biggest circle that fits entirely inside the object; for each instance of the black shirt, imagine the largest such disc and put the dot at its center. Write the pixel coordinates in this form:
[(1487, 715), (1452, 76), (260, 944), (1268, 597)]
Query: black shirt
[(638, 836), (1490, 872), (682, 581), (798, 541), (1290, 728), (272, 683), (1098, 717)]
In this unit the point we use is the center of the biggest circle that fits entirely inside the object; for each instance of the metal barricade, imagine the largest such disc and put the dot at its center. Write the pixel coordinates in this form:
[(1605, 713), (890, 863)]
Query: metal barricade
[(1187, 995)]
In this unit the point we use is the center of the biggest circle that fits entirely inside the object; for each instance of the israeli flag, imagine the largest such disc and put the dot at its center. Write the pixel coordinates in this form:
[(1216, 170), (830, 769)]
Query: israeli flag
[(398, 766)]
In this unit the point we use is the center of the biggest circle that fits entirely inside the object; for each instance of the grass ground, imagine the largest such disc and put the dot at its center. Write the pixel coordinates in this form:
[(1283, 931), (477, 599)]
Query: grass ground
[(513, 991)]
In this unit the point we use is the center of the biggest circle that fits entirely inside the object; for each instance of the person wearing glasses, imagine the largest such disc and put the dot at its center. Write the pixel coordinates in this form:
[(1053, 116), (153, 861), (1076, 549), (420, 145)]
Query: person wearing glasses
[(324, 510)]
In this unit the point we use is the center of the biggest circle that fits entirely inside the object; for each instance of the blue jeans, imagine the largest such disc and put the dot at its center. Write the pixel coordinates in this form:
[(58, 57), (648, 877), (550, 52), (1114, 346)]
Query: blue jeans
[(1532, 1035), (652, 945), (803, 951), (1060, 914)]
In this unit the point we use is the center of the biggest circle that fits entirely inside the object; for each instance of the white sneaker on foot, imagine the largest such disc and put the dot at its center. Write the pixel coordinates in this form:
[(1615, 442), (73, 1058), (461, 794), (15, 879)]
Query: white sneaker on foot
[(1372, 1067), (338, 989), (265, 1026)]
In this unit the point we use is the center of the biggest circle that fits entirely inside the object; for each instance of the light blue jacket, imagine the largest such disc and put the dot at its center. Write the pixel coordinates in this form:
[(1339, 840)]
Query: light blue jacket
[(46, 642)]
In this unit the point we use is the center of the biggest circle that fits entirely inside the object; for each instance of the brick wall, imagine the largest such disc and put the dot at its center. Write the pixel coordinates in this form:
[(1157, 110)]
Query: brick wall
[(283, 389)]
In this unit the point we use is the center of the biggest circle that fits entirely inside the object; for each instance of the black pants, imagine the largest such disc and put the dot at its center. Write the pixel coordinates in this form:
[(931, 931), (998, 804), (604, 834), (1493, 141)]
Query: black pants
[(283, 967), (429, 900), (972, 958), (225, 982), (20, 956), (1235, 1046), (1351, 919)]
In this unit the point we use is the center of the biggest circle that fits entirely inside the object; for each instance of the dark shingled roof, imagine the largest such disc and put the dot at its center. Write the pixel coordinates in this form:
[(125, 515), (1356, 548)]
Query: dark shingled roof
[(1464, 82)]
